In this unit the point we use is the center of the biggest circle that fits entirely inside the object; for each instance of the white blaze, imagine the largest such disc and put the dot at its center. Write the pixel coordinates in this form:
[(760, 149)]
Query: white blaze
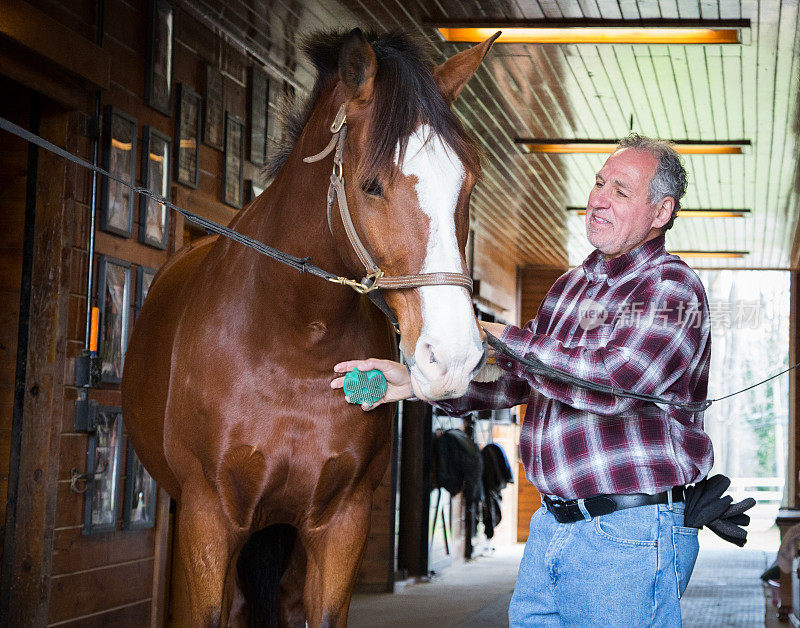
[(449, 329)]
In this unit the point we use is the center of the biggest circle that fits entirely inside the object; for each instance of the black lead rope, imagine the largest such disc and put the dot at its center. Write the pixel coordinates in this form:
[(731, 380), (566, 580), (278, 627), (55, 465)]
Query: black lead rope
[(537, 367), (298, 263), (303, 265)]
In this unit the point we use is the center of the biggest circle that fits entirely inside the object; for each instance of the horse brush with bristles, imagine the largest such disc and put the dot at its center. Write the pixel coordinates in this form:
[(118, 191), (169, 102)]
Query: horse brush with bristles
[(364, 386)]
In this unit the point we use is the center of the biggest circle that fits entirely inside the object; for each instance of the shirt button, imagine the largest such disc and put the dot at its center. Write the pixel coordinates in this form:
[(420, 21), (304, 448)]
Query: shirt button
[(508, 364)]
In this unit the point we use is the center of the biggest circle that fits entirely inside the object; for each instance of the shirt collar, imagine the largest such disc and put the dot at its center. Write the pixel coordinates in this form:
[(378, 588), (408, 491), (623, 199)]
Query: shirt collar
[(598, 268)]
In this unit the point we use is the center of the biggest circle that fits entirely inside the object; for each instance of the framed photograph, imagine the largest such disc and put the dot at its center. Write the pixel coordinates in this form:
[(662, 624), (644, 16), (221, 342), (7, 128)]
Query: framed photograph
[(119, 158), (113, 299), (144, 277), (158, 82), (103, 470), (214, 109), (187, 137), (257, 115), (140, 494), (154, 216), (233, 172)]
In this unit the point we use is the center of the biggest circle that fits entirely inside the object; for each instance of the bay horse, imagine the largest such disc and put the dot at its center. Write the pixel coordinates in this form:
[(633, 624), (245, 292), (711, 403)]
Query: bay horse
[(225, 391)]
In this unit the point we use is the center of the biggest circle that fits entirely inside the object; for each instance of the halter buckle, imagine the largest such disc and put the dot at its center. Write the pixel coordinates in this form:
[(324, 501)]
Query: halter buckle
[(339, 120)]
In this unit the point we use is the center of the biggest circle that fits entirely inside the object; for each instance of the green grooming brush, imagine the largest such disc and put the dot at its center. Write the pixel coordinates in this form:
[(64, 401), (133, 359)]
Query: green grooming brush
[(364, 387)]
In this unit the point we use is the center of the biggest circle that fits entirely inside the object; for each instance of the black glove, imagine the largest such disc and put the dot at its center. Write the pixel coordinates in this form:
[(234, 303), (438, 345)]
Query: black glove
[(728, 525), (704, 501), (705, 505)]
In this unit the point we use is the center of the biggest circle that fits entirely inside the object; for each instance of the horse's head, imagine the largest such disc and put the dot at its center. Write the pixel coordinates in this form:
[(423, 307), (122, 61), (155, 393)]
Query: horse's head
[(409, 169)]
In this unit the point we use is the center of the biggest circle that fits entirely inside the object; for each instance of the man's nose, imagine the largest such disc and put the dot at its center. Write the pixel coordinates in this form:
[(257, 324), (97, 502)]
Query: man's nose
[(598, 198)]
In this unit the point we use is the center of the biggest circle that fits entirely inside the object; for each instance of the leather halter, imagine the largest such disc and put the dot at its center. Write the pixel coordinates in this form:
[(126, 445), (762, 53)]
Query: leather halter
[(375, 280)]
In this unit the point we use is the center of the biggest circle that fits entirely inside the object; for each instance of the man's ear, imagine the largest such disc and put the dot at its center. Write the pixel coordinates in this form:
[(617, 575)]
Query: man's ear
[(454, 73), (664, 212), (357, 67)]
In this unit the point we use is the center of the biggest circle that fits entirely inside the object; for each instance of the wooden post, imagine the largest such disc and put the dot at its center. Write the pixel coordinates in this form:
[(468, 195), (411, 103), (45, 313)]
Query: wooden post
[(794, 392), (33, 474), (161, 563), (789, 515)]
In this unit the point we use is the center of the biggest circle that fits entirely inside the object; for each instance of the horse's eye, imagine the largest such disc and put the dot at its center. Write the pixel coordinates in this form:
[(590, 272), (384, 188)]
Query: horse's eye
[(373, 188)]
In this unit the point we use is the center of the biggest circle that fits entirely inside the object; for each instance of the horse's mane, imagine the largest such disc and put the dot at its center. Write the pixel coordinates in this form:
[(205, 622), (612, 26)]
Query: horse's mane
[(406, 95)]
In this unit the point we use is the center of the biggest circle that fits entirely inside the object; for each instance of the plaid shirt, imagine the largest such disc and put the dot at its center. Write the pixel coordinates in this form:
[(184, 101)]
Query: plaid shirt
[(639, 322)]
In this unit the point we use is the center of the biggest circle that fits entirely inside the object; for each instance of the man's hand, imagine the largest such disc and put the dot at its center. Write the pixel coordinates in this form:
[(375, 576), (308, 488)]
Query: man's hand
[(397, 377)]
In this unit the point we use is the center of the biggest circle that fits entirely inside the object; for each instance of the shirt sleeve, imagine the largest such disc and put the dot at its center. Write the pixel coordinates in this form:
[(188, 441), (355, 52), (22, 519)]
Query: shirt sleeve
[(508, 391), (645, 355)]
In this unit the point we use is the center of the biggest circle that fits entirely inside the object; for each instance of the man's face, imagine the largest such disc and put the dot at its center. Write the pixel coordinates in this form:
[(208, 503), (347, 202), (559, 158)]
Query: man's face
[(619, 216)]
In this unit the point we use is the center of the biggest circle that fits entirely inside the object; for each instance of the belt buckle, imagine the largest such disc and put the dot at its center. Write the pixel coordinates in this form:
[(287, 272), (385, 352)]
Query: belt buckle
[(561, 511)]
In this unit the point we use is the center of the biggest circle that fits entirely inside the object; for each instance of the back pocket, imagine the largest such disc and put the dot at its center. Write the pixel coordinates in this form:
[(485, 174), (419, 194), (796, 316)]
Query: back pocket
[(686, 545)]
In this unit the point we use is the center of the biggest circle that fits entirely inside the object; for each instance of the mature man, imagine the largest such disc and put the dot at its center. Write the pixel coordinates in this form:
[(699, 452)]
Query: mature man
[(608, 547)]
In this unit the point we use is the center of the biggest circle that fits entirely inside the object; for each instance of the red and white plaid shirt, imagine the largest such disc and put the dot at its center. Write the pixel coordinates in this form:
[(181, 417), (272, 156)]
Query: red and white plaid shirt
[(639, 322)]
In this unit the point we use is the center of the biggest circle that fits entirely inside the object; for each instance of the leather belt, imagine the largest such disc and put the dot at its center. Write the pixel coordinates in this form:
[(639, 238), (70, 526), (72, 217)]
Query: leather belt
[(569, 511)]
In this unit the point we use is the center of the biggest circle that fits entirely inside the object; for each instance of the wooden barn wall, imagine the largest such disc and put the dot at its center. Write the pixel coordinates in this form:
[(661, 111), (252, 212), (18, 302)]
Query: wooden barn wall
[(534, 283), (494, 268), (121, 564)]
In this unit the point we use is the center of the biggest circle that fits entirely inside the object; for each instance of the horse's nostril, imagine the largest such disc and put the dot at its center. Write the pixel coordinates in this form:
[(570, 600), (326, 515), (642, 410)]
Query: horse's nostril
[(431, 365)]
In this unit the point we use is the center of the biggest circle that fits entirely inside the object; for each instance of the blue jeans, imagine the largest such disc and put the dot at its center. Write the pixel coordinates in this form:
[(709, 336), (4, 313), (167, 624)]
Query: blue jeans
[(627, 569)]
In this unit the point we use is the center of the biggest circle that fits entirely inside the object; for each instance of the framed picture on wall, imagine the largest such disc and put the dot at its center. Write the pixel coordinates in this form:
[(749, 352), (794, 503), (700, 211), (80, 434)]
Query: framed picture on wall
[(233, 172), (140, 494), (119, 158), (103, 472), (257, 115), (154, 216), (113, 298), (158, 82), (144, 277), (214, 109), (187, 137)]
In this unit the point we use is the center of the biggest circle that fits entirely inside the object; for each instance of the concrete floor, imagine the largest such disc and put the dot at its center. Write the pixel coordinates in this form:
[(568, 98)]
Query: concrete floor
[(472, 594), (724, 591)]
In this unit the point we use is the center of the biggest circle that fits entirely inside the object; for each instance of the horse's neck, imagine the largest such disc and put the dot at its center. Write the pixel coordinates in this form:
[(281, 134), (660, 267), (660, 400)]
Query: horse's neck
[(291, 216)]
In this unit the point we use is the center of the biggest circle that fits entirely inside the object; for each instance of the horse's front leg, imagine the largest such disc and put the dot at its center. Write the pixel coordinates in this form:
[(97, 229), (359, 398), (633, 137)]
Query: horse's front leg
[(334, 552), (205, 542)]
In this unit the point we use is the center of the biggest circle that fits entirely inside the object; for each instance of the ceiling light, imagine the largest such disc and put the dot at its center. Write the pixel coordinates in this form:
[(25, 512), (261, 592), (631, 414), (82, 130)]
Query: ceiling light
[(711, 254), (690, 213), (565, 31), (684, 147)]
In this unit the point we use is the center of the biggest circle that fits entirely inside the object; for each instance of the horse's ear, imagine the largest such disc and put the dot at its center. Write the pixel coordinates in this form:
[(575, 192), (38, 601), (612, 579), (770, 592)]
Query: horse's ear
[(357, 66), (454, 73)]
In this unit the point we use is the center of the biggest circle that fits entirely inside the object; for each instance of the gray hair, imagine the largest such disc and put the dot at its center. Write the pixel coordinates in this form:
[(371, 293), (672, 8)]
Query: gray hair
[(669, 179)]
